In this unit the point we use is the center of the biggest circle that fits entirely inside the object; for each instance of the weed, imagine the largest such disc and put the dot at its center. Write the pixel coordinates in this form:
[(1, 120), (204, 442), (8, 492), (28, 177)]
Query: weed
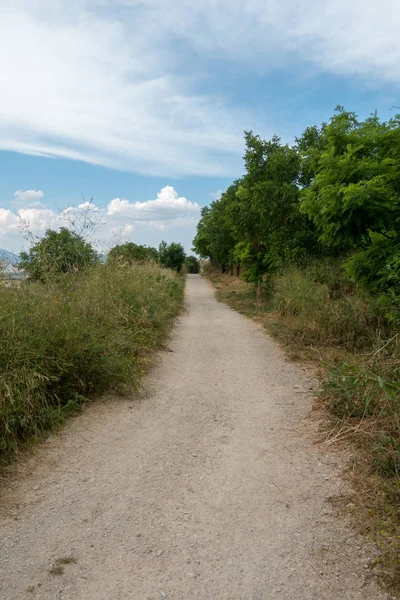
[(67, 560), (59, 564), (64, 341), (56, 570)]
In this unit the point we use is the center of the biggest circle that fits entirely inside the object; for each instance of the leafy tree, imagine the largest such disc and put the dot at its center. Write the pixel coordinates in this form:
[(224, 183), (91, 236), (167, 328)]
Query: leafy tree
[(354, 194), (172, 255), (57, 252), (257, 224), (215, 237), (192, 264), (130, 252), (335, 193)]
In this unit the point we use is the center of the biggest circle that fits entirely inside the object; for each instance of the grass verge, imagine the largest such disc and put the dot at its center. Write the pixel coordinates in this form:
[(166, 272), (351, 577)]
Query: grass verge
[(322, 318), (64, 342)]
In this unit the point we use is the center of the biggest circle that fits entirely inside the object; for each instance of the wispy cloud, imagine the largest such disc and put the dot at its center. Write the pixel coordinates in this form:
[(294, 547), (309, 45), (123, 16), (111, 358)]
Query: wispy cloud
[(116, 82), (87, 84)]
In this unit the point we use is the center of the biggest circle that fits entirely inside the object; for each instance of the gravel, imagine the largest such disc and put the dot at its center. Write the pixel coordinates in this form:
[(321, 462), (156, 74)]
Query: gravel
[(206, 485)]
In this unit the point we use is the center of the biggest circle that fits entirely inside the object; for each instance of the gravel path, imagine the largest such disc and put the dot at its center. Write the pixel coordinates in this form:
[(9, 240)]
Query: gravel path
[(204, 487)]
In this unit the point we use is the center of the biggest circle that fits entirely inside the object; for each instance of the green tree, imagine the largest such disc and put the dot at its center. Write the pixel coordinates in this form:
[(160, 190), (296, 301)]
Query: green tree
[(192, 264), (172, 255), (215, 237), (267, 223), (335, 193), (257, 224), (354, 194), (57, 252), (130, 252)]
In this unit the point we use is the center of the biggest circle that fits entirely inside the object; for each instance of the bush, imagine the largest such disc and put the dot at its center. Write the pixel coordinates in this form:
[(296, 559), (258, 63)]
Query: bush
[(64, 342), (321, 308), (365, 393), (130, 252), (377, 267), (58, 252), (192, 264), (172, 255), (319, 313)]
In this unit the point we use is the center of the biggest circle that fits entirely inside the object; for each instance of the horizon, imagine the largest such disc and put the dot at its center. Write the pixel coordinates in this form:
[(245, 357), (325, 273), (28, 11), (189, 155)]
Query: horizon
[(143, 109)]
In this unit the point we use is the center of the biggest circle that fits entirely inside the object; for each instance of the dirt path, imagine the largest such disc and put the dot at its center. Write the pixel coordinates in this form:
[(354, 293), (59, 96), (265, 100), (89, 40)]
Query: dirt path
[(206, 488)]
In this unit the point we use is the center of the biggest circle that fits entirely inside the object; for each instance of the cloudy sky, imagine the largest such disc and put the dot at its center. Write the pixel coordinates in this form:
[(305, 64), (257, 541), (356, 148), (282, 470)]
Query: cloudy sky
[(141, 104)]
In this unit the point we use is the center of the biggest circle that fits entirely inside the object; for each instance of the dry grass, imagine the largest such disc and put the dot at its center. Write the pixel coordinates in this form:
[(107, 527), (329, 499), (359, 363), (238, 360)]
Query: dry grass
[(64, 342)]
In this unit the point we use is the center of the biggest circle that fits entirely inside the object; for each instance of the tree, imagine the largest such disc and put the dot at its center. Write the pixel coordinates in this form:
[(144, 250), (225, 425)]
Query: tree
[(57, 252), (257, 225), (130, 252), (172, 255), (354, 195), (192, 264), (215, 237), (335, 193)]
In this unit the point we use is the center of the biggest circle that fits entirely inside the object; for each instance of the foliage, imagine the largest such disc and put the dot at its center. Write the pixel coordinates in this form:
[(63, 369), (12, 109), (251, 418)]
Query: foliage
[(172, 255), (317, 226), (192, 264), (64, 341), (334, 193), (378, 265), (354, 195), (257, 225), (129, 252), (58, 252), (318, 314), (215, 237), (356, 180)]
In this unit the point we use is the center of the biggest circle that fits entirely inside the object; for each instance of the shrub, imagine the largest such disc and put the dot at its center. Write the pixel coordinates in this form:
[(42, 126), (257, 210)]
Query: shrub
[(319, 312), (377, 266), (58, 252), (192, 264), (63, 342), (172, 255), (130, 252)]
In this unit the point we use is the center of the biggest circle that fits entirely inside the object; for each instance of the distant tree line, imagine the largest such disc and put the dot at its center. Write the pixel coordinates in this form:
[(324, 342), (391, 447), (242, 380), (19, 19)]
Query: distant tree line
[(64, 251), (334, 192)]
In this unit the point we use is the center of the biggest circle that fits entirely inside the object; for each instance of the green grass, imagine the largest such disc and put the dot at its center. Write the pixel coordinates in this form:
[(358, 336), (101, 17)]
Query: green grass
[(352, 338), (62, 343)]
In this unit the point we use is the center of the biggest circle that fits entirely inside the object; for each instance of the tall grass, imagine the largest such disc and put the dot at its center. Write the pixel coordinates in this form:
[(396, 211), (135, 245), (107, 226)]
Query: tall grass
[(68, 340), (319, 309)]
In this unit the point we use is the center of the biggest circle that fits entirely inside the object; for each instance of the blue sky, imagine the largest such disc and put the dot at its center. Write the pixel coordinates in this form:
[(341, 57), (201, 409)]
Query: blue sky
[(142, 104)]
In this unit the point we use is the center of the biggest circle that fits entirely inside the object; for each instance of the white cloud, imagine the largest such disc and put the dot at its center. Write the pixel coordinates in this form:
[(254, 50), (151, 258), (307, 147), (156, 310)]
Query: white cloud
[(106, 93), (167, 206), (116, 82), (40, 219), (120, 221), (8, 220), (356, 38), (28, 195)]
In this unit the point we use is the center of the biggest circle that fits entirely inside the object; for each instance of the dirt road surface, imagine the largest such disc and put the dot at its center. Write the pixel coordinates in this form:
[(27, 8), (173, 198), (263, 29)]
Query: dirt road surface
[(207, 486)]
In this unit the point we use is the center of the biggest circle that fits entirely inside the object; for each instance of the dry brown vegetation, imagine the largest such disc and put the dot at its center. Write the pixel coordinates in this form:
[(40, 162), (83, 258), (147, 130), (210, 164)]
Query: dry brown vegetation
[(73, 337)]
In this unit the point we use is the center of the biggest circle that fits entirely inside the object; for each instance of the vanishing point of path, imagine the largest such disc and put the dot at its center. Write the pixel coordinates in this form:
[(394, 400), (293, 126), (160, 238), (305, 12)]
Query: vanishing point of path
[(206, 486)]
